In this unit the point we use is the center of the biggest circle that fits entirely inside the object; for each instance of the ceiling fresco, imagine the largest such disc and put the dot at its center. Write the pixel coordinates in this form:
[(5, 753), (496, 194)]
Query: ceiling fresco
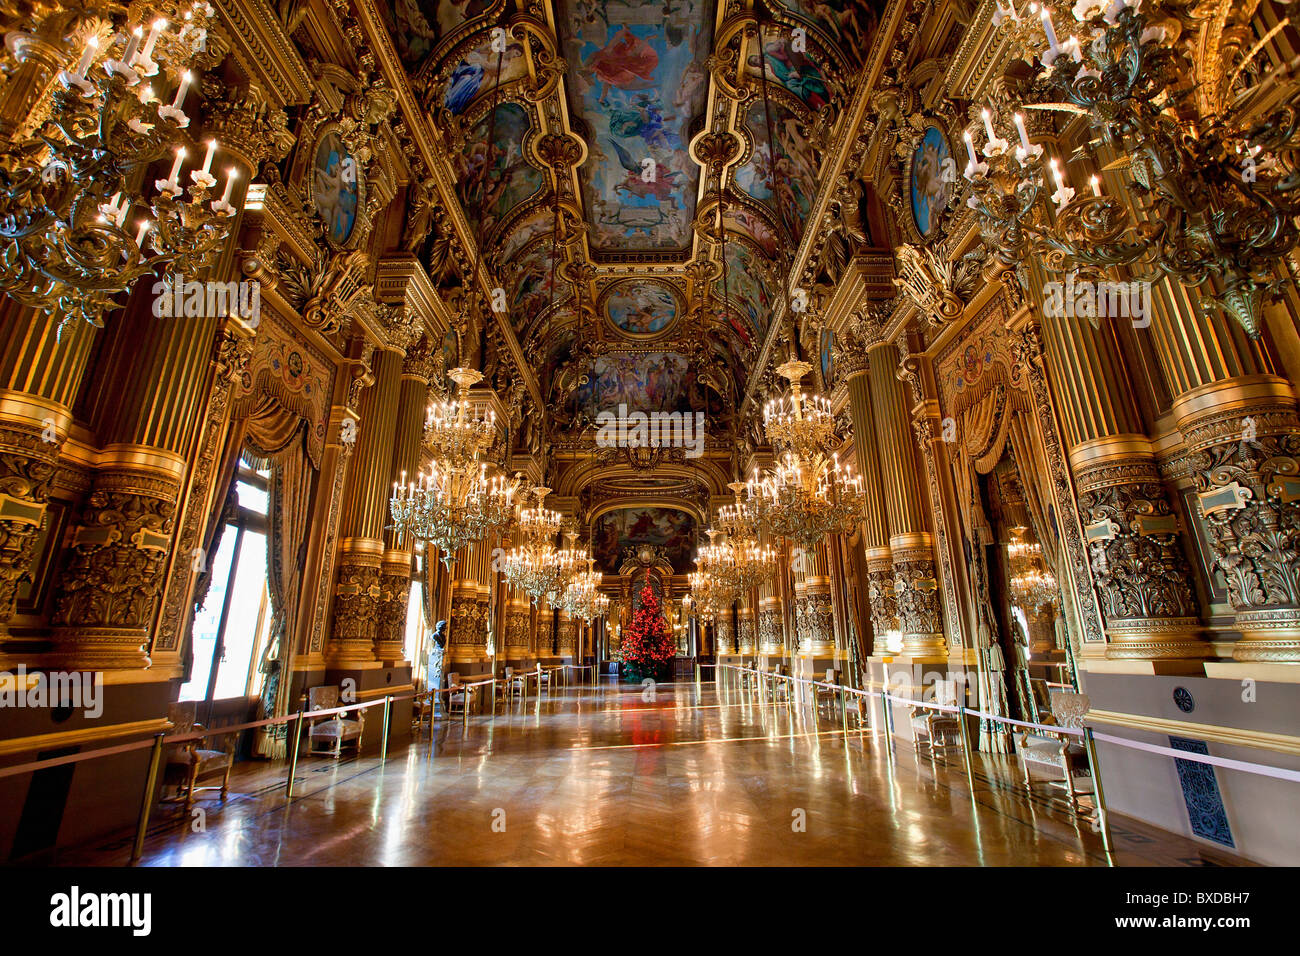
[(794, 178), (418, 26), (598, 105), (637, 79), (643, 381), (510, 179), (667, 528), (640, 307)]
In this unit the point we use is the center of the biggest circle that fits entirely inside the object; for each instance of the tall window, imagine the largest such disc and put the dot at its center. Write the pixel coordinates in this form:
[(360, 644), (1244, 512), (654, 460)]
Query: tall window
[(416, 631), (231, 629)]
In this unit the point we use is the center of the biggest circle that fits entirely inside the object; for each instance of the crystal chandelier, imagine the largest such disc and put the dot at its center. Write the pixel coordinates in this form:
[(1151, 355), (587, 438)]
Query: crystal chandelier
[(808, 494), (452, 432), (535, 565), (76, 231), (582, 598), (453, 506), (1218, 161), (711, 593), (1032, 586)]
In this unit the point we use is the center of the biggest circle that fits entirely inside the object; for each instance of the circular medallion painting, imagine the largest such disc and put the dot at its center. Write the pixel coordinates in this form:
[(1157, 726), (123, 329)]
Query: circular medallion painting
[(929, 187), (641, 307), (335, 188)]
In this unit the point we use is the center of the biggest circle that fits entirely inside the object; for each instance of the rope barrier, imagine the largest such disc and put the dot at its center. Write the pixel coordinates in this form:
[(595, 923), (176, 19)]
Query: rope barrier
[(1227, 763)]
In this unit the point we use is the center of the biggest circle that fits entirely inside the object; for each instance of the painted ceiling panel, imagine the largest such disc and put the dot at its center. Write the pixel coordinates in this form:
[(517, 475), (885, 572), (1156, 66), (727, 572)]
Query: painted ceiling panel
[(510, 180), (636, 80), (847, 23), (795, 176), (418, 26)]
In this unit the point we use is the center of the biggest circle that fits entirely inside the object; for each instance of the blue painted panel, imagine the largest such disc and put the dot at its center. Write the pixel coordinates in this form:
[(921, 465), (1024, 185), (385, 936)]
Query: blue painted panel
[(1205, 808)]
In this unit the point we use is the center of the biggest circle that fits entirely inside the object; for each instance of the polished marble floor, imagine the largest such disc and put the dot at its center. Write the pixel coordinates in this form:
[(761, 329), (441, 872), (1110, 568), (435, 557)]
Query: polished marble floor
[(606, 776)]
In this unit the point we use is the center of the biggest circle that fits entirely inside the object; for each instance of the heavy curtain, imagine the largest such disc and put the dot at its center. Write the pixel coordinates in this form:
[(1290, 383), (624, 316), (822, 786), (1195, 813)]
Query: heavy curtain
[(277, 435)]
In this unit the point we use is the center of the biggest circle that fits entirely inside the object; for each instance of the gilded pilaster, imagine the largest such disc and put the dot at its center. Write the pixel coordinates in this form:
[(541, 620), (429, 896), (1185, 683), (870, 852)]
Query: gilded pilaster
[(114, 570), (1243, 443), (875, 523), (358, 593), (1138, 565), (911, 546), (814, 619), (746, 642)]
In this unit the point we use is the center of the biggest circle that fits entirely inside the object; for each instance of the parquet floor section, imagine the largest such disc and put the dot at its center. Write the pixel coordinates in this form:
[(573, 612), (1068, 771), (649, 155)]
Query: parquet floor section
[(601, 776)]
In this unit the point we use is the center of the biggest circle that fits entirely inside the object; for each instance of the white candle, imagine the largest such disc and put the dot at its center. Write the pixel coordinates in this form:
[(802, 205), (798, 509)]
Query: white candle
[(144, 231), (231, 175), (132, 44), (970, 147), (154, 29), (207, 160), (176, 166), (181, 90), (1049, 30), (988, 124), (1020, 128), (1057, 175), (88, 54), (1096, 185)]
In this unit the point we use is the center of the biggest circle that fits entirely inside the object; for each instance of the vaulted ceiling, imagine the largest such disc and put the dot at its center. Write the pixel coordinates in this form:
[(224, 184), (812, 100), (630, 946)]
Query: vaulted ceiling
[(636, 114)]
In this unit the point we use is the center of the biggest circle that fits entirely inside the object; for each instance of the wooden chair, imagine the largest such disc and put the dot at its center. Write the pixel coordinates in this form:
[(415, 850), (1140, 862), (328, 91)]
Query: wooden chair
[(189, 762), (939, 730), (543, 679), (826, 695), (516, 683), (1063, 757), (460, 699), (780, 686), (327, 735)]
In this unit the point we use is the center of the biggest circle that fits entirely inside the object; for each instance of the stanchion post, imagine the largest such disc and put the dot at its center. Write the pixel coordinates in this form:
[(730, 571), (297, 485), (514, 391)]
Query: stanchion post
[(844, 712), (146, 801), (965, 747), (293, 753), (1102, 817), (383, 737)]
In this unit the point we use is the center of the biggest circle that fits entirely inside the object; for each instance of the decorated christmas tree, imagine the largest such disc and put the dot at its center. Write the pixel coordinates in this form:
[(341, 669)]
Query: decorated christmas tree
[(648, 643)]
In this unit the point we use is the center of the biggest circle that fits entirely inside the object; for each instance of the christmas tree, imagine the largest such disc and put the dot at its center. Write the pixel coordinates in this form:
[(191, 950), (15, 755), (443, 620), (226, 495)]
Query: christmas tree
[(648, 643)]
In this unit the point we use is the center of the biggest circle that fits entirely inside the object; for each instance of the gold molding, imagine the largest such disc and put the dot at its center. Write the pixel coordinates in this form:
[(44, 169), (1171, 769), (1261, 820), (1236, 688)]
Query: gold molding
[(1109, 448), (141, 458), (1242, 392), (1232, 736), (82, 735), (23, 407)]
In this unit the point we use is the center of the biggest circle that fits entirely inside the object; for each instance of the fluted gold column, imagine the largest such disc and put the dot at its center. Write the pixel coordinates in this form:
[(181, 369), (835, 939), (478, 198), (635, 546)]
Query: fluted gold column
[(39, 379), (875, 522), (1239, 424), (358, 594), (1138, 563), (911, 545), (516, 644), (114, 569), (746, 644), (395, 571), (469, 606), (814, 619), (771, 633), (566, 644), (724, 631)]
